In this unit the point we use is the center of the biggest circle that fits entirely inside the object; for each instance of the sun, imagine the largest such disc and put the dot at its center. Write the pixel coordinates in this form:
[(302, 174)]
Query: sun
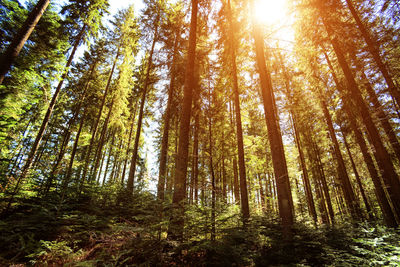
[(270, 12)]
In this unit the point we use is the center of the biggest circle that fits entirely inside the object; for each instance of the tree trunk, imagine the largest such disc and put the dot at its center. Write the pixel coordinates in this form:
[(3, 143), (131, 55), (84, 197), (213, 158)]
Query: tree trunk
[(177, 221), (73, 153), (128, 147), (379, 190), (96, 124), (385, 163), (167, 118), (239, 131), (278, 155), (373, 48), (306, 179), (21, 37), (383, 118), (132, 169), (358, 179), (49, 111), (348, 192)]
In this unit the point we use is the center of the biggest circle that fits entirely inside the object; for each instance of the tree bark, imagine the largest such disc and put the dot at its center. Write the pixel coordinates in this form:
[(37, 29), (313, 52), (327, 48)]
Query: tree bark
[(348, 192)]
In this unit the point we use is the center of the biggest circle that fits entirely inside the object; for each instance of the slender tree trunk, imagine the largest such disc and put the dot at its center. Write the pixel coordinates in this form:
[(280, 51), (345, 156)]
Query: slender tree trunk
[(278, 155), (73, 153), (306, 179), (167, 119), (379, 190), (108, 158), (195, 166), (50, 108), (262, 195), (385, 163), (96, 124), (213, 187), (21, 37), (322, 176), (103, 157), (348, 192), (358, 179), (132, 170), (101, 142), (67, 132), (239, 130), (177, 221), (128, 147), (373, 48), (383, 118)]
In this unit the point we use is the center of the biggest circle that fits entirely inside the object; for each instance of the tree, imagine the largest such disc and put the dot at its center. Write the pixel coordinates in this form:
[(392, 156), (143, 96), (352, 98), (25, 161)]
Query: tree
[(177, 220)]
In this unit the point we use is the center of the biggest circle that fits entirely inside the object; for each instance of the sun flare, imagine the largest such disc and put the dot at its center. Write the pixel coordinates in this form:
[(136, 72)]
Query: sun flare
[(270, 12)]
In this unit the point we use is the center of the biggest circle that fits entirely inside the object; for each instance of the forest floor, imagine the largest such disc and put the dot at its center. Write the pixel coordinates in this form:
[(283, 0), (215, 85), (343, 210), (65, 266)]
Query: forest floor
[(93, 233)]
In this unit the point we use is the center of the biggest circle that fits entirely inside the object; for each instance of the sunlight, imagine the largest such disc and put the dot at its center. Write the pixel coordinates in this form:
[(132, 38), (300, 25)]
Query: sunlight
[(270, 12)]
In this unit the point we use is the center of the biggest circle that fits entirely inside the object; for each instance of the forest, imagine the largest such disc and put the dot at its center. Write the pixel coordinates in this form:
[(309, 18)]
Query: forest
[(200, 133)]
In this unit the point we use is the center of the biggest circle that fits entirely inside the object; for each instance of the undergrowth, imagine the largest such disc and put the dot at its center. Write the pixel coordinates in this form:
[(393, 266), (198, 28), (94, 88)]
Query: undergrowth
[(129, 232)]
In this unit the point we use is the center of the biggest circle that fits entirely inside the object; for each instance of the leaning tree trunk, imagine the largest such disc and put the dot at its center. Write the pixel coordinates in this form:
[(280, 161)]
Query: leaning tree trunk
[(373, 48), (176, 225), (46, 119), (385, 163), (384, 204), (22, 36)]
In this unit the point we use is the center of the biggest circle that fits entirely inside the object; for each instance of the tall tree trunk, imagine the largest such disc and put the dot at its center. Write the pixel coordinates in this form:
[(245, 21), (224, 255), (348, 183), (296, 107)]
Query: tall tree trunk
[(100, 112), (177, 221), (167, 118), (73, 153), (128, 147), (132, 169), (236, 188), (109, 158), (67, 132), (195, 166), (101, 142), (383, 118), (385, 163), (213, 187), (347, 188), (239, 131), (373, 48), (306, 179), (278, 155), (14, 48), (384, 204), (358, 179), (322, 176), (49, 111)]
